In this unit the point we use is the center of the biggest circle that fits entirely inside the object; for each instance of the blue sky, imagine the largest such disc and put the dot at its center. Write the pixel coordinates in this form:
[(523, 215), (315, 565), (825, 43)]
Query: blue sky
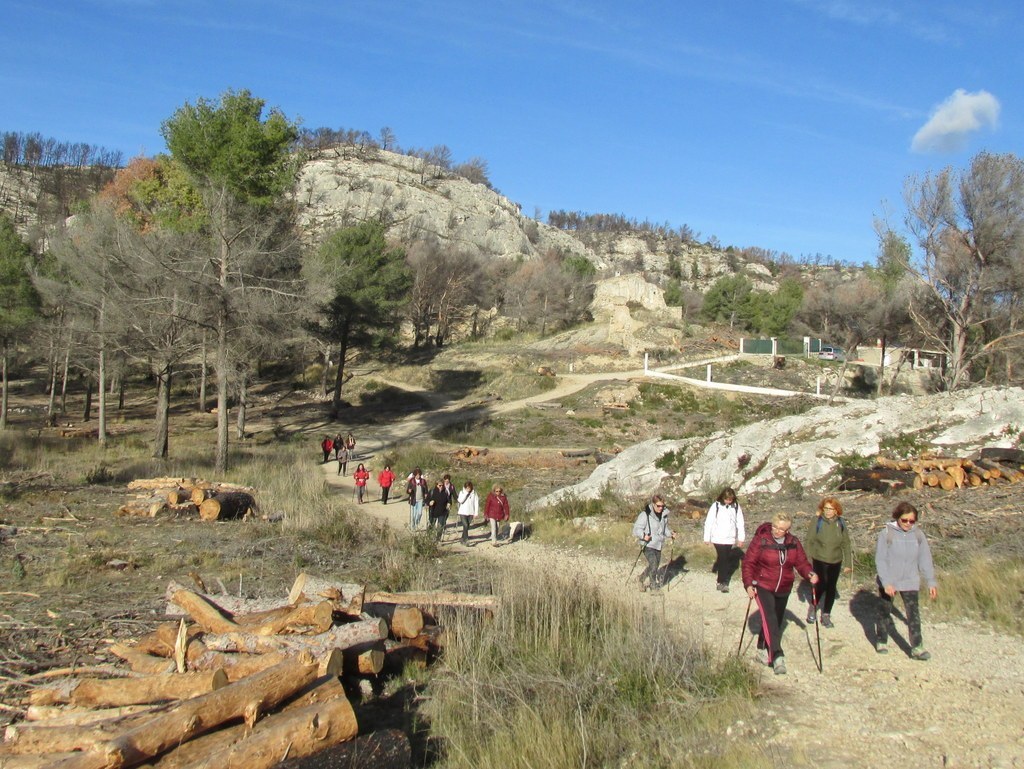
[(783, 124)]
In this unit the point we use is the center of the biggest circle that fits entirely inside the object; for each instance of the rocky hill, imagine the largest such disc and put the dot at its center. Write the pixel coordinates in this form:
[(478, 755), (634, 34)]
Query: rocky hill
[(340, 186)]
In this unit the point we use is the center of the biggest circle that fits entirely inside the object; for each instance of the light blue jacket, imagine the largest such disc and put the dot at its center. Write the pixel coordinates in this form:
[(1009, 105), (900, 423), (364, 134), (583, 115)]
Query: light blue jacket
[(649, 522), (903, 557)]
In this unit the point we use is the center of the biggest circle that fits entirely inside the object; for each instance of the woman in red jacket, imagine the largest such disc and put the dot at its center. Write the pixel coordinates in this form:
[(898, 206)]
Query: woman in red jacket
[(496, 510), (772, 557), (360, 476), (385, 478)]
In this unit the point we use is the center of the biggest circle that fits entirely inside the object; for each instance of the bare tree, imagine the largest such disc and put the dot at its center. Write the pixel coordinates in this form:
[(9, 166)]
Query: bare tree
[(969, 227)]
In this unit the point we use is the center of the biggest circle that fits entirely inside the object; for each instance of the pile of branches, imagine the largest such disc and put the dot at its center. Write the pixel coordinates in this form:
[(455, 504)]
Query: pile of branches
[(234, 683), (990, 466)]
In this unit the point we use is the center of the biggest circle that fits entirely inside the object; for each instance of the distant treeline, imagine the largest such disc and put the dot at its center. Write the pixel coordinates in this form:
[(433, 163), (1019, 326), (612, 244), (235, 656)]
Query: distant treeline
[(34, 150), (578, 221)]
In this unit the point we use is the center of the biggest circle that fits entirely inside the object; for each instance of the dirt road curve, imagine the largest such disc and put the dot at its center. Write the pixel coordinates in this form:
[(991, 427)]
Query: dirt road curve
[(963, 708)]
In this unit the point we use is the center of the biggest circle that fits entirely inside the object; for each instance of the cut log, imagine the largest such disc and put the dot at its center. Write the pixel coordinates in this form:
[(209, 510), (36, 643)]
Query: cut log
[(246, 699), (141, 662), (381, 749), (77, 715), (974, 479), (321, 690), (993, 468), (364, 659), (307, 618), (1015, 456), (894, 464), (205, 612), (146, 508), (227, 505), (947, 482), (340, 637), (106, 693), (296, 734), (434, 599), (200, 495), (41, 761), (403, 621), (69, 735), (178, 495), (161, 483)]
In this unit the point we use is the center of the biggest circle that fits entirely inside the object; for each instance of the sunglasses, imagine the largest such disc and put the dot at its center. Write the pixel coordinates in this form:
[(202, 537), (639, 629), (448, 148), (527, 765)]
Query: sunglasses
[(908, 520), (659, 507)]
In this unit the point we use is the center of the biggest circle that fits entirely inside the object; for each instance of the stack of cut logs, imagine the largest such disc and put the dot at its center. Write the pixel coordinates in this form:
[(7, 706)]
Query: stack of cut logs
[(989, 466), (211, 501), (245, 684)]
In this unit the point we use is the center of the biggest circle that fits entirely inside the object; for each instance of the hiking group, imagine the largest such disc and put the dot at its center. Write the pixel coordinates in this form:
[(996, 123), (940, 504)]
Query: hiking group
[(436, 500), (774, 556)]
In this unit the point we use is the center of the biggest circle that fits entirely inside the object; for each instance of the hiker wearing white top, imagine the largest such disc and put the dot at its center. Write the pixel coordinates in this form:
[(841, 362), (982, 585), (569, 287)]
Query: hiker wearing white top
[(724, 530)]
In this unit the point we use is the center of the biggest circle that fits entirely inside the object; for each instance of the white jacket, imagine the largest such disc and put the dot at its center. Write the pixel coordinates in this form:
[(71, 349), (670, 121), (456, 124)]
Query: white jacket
[(469, 503), (724, 524)]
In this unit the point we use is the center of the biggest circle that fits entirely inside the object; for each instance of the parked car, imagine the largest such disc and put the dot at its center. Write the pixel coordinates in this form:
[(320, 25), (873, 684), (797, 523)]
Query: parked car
[(831, 352)]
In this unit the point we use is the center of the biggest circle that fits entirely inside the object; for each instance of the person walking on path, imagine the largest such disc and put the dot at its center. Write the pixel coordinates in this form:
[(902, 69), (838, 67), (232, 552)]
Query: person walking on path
[(326, 446), (361, 476), (469, 508), (343, 458), (385, 478), (828, 546), (416, 492), (652, 530), (772, 557), (350, 444), (338, 444), (496, 510), (437, 509), (724, 530), (902, 558)]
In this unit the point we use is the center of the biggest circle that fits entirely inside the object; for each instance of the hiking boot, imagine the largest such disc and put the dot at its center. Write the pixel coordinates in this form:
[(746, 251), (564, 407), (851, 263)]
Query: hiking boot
[(918, 653), (881, 647), (826, 621), (779, 666), (812, 616), (722, 588), (762, 656)]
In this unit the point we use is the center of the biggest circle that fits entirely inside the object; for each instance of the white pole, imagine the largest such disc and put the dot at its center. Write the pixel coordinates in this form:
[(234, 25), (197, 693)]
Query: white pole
[(645, 362), (709, 372), (817, 386)]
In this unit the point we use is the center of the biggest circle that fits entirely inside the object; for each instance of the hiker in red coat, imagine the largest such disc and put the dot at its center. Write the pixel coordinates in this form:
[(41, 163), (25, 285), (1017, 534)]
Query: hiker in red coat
[(360, 476), (496, 510), (327, 446), (772, 557), (385, 478)]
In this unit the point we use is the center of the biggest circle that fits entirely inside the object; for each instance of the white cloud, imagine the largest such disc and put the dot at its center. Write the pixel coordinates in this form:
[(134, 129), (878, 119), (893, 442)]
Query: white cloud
[(955, 119)]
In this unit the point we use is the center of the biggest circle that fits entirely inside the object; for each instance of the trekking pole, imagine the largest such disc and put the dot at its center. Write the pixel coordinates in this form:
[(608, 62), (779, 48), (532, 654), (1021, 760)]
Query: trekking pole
[(638, 556), (739, 649), (668, 563), (817, 635)]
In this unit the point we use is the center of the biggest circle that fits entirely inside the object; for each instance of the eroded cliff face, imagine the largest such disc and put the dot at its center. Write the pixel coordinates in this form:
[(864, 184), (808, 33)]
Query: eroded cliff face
[(339, 187)]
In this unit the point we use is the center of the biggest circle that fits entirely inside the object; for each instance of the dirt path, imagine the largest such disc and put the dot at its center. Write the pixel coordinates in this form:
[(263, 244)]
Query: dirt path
[(963, 708)]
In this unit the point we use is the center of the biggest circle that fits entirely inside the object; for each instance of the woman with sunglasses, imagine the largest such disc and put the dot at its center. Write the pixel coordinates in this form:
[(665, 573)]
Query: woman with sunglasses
[(652, 530), (902, 557)]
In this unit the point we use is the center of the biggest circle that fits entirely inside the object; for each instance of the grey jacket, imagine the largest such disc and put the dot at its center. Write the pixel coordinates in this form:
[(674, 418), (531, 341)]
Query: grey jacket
[(903, 557), (649, 522)]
